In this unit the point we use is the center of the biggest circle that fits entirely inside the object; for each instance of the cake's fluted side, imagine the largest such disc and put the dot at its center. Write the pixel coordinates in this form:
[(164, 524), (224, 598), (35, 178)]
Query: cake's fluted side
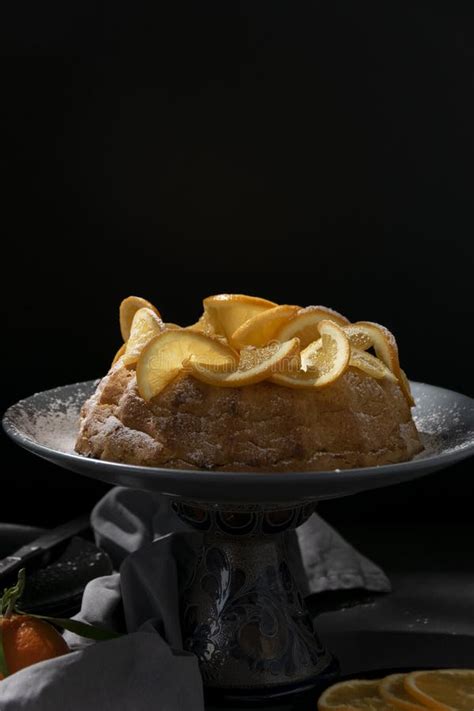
[(356, 421)]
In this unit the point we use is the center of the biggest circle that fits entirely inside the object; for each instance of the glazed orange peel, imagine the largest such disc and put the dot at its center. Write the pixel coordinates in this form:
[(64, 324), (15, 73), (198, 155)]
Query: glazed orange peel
[(240, 340), (127, 311)]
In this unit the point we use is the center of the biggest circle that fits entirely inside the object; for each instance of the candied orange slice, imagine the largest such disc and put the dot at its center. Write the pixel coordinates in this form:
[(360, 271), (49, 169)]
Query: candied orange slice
[(385, 346), (405, 386), (443, 690), (262, 328), (119, 354), (203, 325), (128, 309), (356, 695), (304, 324), (322, 362), (145, 326), (255, 364), (164, 356), (392, 689), (226, 312), (329, 355), (358, 337), (384, 343), (370, 365), (294, 377)]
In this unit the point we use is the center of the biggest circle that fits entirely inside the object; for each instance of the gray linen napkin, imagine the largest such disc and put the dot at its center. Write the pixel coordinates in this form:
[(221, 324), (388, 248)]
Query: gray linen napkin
[(147, 668)]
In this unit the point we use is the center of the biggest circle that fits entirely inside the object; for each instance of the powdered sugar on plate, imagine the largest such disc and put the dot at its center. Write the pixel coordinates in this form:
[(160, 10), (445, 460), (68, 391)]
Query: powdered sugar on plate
[(51, 419), (445, 425)]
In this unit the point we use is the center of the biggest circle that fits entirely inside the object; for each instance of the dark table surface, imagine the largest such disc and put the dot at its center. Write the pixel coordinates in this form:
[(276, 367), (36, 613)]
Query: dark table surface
[(427, 620)]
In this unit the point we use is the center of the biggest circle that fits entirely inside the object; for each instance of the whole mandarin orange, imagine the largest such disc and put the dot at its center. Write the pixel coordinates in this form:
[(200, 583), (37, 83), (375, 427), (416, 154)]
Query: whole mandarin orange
[(27, 640)]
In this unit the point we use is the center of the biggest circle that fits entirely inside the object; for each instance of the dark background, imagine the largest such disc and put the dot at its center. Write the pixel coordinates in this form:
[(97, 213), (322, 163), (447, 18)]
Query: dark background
[(305, 152)]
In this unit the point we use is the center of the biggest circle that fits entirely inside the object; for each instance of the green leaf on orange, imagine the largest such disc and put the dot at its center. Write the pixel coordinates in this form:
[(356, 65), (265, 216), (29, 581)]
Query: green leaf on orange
[(82, 629)]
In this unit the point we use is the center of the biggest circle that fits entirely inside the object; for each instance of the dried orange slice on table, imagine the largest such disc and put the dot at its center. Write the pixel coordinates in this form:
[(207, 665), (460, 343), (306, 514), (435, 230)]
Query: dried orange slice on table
[(357, 695), (442, 690), (322, 362), (128, 309), (164, 358), (226, 312), (255, 365), (392, 689)]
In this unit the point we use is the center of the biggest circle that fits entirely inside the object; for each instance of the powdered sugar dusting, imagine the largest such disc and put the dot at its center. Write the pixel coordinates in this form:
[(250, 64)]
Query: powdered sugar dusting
[(446, 425), (51, 419)]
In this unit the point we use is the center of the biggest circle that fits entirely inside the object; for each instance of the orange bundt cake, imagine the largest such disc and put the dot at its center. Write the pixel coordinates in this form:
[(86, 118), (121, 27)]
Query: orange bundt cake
[(252, 386)]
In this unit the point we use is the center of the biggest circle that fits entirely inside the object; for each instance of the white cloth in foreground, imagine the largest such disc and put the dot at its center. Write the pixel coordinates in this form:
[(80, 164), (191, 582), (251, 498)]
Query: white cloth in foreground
[(147, 668)]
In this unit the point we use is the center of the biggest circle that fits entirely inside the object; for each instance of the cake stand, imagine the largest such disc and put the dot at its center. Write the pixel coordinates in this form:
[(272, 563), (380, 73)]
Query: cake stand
[(242, 613)]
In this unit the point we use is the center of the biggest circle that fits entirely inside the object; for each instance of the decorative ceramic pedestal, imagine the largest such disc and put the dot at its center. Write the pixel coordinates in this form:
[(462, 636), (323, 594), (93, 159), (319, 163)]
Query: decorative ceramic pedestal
[(243, 615)]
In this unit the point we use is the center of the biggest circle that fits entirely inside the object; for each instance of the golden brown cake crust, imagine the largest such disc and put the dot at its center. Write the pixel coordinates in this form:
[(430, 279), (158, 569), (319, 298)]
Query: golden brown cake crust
[(356, 421)]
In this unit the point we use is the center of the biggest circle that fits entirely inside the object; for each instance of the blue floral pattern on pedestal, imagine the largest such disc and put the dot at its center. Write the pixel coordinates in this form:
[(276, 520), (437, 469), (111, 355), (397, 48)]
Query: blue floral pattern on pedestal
[(263, 622)]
